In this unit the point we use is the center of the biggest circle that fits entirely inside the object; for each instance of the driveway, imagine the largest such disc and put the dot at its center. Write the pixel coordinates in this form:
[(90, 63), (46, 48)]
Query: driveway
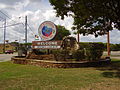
[(6, 57)]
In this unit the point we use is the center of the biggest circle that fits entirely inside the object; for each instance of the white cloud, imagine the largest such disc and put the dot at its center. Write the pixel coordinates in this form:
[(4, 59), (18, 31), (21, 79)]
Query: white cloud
[(49, 14), (2, 6), (39, 11), (21, 5), (35, 1)]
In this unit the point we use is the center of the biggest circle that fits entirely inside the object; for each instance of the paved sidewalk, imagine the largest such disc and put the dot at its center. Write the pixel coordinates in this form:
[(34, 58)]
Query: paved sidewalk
[(115, 57), (6, 57), (114, 54)]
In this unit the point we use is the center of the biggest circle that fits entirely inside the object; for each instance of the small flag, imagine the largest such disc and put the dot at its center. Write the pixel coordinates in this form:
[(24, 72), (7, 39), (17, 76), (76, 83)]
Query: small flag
[(36, 37)]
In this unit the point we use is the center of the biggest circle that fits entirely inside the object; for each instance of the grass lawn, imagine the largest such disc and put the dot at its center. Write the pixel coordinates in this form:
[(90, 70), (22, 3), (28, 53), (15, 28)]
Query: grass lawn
[(1, 52), (26, 77)]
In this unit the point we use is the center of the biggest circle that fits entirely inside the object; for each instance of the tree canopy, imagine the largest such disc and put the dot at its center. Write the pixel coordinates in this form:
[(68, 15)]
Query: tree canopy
[(61, 32), (90, 16)]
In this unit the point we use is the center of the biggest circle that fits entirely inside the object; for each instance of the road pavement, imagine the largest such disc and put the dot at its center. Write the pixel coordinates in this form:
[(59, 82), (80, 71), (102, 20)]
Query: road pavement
[(6, 57), (115, 57), (114, 54)]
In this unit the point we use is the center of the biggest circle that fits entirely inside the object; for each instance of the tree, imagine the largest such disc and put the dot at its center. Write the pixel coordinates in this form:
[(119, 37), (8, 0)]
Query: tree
[(90, 16), (15, 44), (61, 32)]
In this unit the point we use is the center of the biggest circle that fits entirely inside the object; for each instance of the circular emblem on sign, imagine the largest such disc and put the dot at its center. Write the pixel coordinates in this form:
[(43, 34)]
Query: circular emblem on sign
[(47, 30)]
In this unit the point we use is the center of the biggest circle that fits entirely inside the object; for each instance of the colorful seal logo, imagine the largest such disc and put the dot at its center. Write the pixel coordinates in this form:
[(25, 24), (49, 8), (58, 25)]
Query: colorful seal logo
[(47, 30)]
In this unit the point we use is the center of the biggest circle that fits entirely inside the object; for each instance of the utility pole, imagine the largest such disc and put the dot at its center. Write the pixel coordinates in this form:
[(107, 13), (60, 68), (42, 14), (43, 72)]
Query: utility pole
[(78, 37), (4, 34), (108, 43), (25, 29), (26, 34)]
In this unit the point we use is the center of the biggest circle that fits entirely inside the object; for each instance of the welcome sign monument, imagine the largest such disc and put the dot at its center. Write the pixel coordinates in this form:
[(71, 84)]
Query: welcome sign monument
[(47, 31)]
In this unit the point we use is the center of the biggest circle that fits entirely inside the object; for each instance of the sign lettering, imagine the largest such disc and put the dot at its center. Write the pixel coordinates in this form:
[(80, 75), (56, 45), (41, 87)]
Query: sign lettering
[(46, 44)]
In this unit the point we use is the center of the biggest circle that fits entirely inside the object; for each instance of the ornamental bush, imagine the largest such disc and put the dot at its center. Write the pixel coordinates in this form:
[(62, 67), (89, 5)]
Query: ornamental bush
[(94, 51), (61, 55), (78, 55), (115, 47), (88, 51)]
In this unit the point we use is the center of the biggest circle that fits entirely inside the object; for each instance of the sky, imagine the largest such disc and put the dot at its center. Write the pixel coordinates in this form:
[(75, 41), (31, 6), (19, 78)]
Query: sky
[(37, 12)]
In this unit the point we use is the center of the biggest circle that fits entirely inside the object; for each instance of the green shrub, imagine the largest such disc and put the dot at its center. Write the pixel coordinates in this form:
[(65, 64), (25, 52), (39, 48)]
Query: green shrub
[(83, 45), (88, 54), (94, 51), (61, 55), (1, 52), (89, 51), (78, 55), (115, 47)]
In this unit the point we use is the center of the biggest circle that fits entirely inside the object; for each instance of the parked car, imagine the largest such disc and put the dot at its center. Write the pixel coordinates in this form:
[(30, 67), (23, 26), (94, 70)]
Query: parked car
[(9, 52)]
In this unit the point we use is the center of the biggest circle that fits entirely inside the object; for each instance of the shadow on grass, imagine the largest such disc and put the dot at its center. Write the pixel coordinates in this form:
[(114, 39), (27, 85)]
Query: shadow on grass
[(111, 71)]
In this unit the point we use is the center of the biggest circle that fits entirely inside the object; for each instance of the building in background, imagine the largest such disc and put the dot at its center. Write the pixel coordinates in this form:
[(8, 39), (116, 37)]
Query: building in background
[(8, 46)]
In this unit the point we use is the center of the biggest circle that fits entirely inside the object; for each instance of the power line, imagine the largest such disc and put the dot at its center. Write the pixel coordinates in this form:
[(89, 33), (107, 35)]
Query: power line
[(30, 28), (9, 18), (5, 14), (16, 23), (12, 25), (2, 18)]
